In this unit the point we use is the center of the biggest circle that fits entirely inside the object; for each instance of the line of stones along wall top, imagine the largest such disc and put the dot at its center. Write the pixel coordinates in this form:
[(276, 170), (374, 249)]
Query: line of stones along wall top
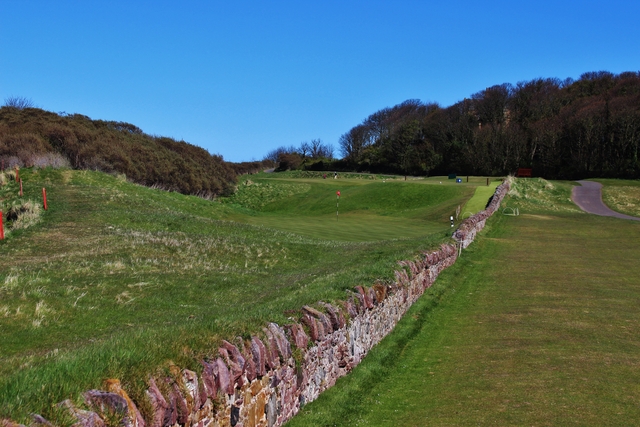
[(265, 381)]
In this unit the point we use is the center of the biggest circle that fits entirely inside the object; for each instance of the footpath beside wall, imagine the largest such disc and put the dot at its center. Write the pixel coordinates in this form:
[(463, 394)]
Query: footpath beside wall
[(264, 381)]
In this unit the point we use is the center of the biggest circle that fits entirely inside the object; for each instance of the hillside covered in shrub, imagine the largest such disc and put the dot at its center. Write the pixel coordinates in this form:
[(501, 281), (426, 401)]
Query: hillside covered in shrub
[(35, 137)]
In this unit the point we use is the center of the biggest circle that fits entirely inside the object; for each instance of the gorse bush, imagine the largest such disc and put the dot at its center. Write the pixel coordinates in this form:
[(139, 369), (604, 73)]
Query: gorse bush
[(34, 137)]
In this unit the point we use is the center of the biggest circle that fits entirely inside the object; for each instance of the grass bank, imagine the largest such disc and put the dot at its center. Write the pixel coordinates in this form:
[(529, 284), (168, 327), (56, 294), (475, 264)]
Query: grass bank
[(621, 195), (121, 281), (536, 324)]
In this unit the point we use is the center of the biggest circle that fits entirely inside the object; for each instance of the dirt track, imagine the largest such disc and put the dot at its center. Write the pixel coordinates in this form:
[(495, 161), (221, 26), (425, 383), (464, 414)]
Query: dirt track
[(588, 197)]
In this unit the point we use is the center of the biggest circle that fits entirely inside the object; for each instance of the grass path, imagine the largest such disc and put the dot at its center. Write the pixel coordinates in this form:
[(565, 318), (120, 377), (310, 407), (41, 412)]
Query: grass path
[(537, 324)]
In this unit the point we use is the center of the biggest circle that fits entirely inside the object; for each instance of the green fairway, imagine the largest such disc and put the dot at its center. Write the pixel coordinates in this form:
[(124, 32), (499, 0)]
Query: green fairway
[(122, 281), (366, 210), (536, 324), (479, 200)]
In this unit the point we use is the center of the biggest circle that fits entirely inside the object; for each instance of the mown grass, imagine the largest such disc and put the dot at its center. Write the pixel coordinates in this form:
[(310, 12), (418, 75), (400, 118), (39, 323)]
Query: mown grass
[(122, 281), (536, 324), (479, 200)]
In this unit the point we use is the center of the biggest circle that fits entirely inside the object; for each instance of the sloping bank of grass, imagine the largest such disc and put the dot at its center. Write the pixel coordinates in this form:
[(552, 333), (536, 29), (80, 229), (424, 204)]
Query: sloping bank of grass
[(621, 195), (122, 281), (536, 324)]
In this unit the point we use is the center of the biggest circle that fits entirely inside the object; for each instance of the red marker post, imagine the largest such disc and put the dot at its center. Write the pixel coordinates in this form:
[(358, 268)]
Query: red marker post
[(1, 227), (17, 174), (44, 198), (337, 203)]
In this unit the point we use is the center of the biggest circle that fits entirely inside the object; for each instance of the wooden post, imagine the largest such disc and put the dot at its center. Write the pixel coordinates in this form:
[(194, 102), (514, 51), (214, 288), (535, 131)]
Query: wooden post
[(487, 182), (467, 178), (17, 174), (44, 198), (20, 188), (1, 227)]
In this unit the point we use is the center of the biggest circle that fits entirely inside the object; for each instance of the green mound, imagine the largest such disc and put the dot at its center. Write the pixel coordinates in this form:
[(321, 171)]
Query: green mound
[(117, 280)]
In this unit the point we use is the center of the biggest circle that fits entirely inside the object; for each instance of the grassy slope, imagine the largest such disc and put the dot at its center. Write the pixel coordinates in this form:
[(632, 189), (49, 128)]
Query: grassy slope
[(537, 324), (367, 209), (119, 280), (621, 196)]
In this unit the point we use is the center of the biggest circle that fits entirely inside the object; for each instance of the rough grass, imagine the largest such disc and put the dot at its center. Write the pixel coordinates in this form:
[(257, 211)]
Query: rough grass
[(621, 196), (121, 281), (536, 324), (539, 195), (23, 214)]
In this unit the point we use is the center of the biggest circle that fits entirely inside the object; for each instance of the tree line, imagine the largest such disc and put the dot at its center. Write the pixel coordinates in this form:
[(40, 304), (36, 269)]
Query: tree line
[(562, 129), (308, 155)]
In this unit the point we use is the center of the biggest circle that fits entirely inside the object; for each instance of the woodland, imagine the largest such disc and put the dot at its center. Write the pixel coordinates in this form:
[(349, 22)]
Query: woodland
[(562, 129)]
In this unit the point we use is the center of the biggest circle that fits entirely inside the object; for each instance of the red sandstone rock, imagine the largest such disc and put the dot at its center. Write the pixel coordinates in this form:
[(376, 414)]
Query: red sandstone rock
[(334, 316), (371, 293), (250, 368), (310, 322), (158, 403), (234, 353), (171, 414), (84, 418), (300, 339), (320, 328), (358, 299), (351, 309), (224, 377), (107, 402), (381, 292), (284, 346), (190, 382), (113, 386), (365, 297), (326, 323), (209, 372), (234, 368), (273, 361), (41, 421), (259, 352), (183, 409)]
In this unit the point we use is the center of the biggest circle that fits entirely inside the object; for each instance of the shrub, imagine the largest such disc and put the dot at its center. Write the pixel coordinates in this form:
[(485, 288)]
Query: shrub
[(34, 137)]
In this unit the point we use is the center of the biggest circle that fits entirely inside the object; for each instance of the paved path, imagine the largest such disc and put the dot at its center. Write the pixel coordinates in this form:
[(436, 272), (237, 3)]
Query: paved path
[(589, 198)]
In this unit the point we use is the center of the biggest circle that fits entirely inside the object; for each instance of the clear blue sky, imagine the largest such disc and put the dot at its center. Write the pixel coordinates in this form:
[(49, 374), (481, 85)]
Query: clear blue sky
[(240, 78)]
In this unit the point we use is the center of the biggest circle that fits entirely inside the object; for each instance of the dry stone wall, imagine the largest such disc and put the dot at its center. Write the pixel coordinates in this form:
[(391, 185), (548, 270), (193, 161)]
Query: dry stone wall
[(265, 381)]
